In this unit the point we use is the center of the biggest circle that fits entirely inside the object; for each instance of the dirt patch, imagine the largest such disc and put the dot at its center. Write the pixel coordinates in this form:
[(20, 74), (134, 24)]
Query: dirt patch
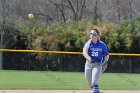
[(67, 91)]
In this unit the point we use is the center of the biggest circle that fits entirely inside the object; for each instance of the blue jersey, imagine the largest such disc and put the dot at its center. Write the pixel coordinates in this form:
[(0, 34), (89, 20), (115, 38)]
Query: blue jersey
[(96, 51)]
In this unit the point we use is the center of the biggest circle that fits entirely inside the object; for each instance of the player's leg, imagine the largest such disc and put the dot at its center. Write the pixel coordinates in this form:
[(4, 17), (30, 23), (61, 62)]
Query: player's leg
[(88, 73), (95, 77)]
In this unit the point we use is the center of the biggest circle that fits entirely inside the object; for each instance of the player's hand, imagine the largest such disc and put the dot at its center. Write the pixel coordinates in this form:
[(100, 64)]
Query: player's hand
[(89, 60), (104, 65)]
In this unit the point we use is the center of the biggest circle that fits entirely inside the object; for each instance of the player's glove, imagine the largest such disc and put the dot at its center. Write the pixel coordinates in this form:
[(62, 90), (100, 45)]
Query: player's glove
[(104, 65)]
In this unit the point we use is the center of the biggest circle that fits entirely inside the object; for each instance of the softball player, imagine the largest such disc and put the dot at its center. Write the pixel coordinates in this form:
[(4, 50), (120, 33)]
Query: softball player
[(97, 55)]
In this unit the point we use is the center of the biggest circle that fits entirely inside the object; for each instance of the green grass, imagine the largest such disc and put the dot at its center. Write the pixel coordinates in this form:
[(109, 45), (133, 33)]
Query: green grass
[(64, 80)]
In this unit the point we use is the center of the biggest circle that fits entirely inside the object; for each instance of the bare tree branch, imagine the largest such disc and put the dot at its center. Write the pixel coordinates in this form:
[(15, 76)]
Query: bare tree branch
[(47, 17), (82, 9), (72, 8)]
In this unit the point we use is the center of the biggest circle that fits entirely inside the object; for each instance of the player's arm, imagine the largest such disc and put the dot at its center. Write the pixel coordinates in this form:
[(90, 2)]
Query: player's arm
[(85, 54), (106, 58), (105, 53), (85, 51)]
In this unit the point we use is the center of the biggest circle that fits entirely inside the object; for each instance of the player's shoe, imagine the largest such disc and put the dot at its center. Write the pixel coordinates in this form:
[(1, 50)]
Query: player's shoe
[(95, 88), (101, 91), (96, 92)]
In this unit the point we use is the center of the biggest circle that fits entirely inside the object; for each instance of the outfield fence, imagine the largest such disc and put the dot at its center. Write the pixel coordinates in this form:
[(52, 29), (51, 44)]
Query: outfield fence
[(64, 61)]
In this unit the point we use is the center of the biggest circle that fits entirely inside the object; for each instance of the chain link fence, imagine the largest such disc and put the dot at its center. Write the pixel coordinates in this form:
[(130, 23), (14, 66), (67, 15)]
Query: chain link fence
[(65, 62)]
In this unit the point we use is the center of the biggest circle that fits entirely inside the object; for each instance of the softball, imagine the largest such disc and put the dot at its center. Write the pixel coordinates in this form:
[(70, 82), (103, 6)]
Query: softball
[(30, 16)]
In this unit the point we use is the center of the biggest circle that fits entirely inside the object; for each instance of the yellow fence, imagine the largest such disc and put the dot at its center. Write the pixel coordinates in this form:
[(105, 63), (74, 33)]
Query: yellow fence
[(62, 52)]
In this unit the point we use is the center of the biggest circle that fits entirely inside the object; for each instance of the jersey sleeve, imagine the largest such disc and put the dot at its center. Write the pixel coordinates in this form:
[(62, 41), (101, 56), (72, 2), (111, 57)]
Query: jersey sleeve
[(87, 44), (105, 50)]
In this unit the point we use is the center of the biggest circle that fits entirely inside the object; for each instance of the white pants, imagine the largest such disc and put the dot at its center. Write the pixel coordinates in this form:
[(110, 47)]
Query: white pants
[(92, 73)]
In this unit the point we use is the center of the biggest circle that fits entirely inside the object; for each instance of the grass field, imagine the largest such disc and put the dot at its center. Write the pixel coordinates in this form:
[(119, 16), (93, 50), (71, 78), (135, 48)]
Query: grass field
[(65, 80)]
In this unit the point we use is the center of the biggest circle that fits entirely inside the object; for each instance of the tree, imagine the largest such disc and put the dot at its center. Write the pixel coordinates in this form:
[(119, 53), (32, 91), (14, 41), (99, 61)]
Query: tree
[(8, 30), (70, 8)]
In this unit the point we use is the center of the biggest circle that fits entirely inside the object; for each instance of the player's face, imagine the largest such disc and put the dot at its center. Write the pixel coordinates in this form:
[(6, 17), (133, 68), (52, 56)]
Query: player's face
[(95, 37)]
